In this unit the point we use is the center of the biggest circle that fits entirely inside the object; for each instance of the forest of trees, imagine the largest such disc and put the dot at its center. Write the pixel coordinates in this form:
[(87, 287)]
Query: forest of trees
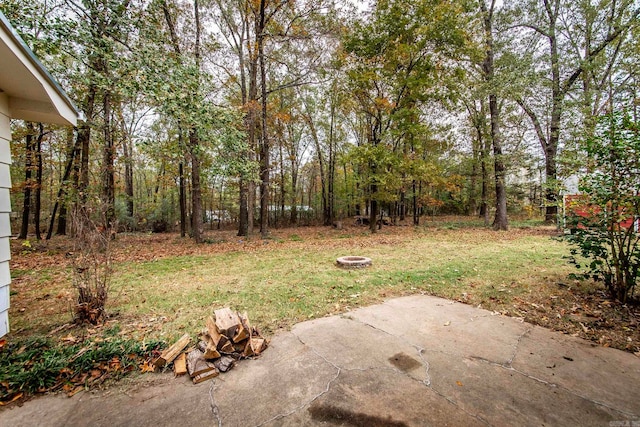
[(259, 114)]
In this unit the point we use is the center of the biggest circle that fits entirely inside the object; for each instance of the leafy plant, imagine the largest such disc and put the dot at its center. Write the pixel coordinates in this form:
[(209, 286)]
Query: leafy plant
[(37, 364), (604, 219)]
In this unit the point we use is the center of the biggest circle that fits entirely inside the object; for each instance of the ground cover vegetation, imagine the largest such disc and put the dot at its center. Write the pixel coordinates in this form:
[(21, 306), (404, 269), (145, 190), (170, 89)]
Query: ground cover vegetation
[(228, 121), (163, 286)]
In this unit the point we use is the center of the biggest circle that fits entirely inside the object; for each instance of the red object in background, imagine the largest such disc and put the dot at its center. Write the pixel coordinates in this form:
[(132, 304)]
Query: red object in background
[(579, 205)]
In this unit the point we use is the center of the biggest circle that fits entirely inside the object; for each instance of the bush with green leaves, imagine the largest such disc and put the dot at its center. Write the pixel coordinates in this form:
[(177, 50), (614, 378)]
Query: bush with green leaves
[(604, 238)]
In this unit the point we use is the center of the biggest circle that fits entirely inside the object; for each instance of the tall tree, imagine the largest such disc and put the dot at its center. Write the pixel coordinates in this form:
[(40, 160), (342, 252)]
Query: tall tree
[(234, 24), (37, 202), (547, 20), (396, 59), (191, 115), (30, 139), (500, 221)]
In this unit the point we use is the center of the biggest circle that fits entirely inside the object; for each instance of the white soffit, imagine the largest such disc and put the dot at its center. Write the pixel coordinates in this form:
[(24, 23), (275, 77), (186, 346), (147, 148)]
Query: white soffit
[(33, 94)]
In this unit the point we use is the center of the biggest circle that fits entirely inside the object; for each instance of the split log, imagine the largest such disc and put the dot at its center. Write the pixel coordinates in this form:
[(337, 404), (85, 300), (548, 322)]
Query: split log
[(172, 352), (221, 342), (239, 347), (208, 348), (254, 347), (244, 329), (224, 364), (205, 376), (196, 365), (180, 365), (227, 321)]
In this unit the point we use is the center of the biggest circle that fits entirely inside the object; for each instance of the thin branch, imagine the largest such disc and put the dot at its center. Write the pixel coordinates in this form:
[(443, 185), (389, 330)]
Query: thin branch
[(536, 123)]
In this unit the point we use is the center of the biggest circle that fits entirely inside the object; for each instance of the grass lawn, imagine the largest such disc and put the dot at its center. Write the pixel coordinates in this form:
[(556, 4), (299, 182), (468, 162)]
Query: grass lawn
[(164, 286)]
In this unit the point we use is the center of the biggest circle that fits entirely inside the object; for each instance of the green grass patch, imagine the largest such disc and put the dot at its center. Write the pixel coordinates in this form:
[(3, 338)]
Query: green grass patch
[(281, 286), (288, 278), (37, 364)]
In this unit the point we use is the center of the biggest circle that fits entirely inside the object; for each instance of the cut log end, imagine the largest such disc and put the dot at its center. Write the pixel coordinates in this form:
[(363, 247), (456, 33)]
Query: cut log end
[(172, 352), (180, 365)]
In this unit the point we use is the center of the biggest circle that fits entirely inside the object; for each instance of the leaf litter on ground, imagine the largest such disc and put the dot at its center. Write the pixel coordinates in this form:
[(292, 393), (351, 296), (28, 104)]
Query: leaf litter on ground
[(545, 298)]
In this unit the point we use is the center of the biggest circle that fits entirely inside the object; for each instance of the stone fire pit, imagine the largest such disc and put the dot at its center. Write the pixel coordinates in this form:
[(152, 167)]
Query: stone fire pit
[(353, 262)]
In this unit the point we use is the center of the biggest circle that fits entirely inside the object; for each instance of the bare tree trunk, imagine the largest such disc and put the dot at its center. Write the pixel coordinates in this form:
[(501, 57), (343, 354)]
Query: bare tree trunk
[(128, 174), (108, 181), (294, 191), (331, 173), (373, 212), (84, 137), (72, 162), (283, 190), (551, 150), (243, 223), (196, 191), (194, 143), (417, 189), (326, 213), (484, 197), (500, 221), (28, 169), (38, 188), (73, 166), (264, 146), (183, 201)]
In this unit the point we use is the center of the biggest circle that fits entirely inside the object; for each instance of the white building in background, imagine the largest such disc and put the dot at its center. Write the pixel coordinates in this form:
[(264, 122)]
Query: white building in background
[(27, 92)]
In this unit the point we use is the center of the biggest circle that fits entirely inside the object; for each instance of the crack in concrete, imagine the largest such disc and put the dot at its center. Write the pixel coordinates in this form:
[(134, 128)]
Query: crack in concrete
[(508, 367), (427, 381), (427, 366), (317, 396), (214, 407), (517, 345)]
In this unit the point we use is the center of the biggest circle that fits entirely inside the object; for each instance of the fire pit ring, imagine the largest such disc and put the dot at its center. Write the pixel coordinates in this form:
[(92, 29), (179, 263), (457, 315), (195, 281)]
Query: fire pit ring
[(353, 262)]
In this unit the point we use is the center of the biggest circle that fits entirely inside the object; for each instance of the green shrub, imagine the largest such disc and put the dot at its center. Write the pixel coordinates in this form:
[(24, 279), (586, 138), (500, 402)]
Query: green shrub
[(604, 236)]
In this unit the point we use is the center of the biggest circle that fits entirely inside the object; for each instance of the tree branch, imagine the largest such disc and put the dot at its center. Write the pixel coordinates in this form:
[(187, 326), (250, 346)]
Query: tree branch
[(536, 123), (592, 54)]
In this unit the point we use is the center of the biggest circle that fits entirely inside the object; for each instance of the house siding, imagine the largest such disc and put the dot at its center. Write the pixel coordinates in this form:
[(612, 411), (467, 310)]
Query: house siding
[(5, 211)]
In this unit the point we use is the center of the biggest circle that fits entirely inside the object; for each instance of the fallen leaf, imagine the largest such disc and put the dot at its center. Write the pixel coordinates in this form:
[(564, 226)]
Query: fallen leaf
[(66, 371), (69, 338), (95, 374), (114, 364), (13, 399), (75, 391), (147, 367)]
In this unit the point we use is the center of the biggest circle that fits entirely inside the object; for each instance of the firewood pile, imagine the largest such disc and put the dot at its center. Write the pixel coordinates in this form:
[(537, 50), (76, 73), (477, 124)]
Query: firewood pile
[(225, 340)]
